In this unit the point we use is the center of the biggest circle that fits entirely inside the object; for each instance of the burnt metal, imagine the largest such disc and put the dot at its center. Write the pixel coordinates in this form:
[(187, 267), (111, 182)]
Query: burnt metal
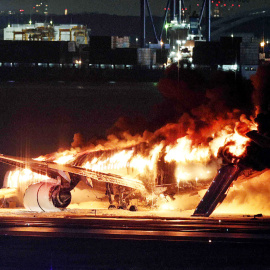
[(61, 197), (217, 190)]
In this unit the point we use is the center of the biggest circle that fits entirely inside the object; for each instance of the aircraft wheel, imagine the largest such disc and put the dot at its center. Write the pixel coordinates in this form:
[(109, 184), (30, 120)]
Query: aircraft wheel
[(122, 206), (133, 208)]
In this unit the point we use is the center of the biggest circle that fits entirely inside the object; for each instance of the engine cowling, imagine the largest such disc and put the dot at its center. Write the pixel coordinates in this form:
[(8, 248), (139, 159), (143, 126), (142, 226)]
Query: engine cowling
[(46, 197)]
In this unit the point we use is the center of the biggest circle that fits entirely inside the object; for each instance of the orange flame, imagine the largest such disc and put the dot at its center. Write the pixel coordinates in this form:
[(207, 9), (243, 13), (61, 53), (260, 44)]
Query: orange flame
[(21, 179), (190, 159)]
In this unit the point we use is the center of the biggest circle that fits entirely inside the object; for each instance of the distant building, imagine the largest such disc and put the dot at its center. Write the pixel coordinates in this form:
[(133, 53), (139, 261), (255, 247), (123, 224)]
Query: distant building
[(47, 32), (220, 8), (249, 55), (42, 7), (239, 53), (120, 42)]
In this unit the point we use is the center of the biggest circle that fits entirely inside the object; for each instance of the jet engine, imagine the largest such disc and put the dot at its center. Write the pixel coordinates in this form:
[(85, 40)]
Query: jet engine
[(46, 197)]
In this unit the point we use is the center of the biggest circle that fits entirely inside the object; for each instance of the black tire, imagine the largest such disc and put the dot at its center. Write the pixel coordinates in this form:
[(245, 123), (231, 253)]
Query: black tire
[(133, 208), (123, 206), (111, 206)]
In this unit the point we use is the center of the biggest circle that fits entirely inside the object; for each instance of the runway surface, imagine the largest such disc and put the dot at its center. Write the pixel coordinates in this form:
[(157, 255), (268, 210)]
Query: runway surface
[(123, 242), (245, 229)]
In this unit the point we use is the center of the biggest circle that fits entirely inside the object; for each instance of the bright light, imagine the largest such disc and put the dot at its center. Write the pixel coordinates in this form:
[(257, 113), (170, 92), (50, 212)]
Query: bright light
[(166, 26), (262, 43)]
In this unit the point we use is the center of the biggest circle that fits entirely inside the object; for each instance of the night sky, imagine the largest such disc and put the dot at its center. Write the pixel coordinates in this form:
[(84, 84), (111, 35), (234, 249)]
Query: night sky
[(118, 7)]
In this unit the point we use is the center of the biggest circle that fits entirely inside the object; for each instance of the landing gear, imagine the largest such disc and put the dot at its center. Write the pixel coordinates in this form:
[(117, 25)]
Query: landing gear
[(122, 206), (133, 208), (121, 200)]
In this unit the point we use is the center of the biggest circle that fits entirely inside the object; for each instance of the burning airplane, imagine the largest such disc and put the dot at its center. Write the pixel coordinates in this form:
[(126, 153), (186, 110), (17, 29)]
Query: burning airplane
[(139, 171), (180, 157)]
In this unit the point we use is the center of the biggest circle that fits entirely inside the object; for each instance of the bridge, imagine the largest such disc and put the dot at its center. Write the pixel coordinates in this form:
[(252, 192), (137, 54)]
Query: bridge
[(213, 30), (223, 25), (175, 7)]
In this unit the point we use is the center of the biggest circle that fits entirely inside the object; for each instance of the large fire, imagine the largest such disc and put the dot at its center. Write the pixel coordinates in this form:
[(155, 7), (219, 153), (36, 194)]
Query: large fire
[(182, 153), (191, 160)]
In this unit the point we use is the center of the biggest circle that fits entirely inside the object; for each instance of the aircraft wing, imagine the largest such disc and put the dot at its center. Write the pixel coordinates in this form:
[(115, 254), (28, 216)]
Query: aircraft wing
[(53, 169)]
